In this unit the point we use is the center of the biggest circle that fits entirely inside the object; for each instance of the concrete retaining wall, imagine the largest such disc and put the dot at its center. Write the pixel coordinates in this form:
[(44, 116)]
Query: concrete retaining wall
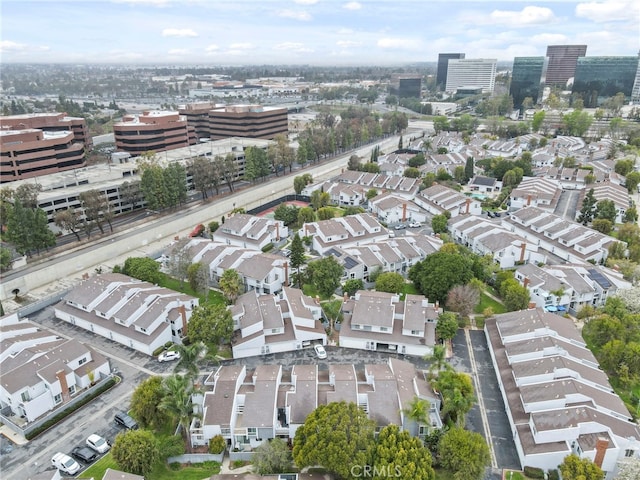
[(196, 458)]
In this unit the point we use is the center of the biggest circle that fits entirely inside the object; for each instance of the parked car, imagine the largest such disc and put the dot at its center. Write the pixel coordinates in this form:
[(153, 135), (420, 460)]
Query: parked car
[(84, 454), (415, 225), (320, 351), (124, 420), (169, 356), (97, 443), (286, 252), (65, 463), (400, 226), (490, 214)]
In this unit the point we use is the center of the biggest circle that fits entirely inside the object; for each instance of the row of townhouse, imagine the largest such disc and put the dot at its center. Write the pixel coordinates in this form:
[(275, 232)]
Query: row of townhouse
[(570, 287), (391, 208), (269, 324), (249, 231), (40, 371), (137, 314), (566, 240), (248, 407), (557, 399), (618, 194), (537, 192), (438, 200)]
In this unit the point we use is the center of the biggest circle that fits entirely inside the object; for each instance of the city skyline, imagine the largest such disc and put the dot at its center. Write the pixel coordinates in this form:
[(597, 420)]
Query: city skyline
[(314, 32)]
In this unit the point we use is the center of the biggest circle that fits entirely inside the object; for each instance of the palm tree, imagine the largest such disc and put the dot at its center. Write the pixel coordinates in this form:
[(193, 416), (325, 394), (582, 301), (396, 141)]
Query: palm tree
[(177, 399), (438, 361), (189, 356)]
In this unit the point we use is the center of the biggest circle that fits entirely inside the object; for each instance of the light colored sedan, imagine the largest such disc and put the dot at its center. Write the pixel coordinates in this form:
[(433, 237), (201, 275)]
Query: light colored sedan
[(169, 356), (97, 443), (320, 351)]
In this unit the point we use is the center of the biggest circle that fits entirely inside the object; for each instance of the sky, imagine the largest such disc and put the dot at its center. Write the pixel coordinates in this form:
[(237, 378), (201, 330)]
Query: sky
[(313, 32)]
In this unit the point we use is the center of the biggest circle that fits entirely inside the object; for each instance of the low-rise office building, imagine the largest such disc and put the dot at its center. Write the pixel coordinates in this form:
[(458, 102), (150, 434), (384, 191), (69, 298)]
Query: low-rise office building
[(254, 121), (49, 122), (153, 131)]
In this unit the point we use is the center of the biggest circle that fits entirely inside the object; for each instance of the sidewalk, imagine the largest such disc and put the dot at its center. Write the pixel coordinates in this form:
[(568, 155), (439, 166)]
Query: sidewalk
[(226, 467)]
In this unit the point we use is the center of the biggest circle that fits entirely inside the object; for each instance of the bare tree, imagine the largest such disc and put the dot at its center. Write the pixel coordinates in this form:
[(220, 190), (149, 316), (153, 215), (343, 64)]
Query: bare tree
[(463, 299)]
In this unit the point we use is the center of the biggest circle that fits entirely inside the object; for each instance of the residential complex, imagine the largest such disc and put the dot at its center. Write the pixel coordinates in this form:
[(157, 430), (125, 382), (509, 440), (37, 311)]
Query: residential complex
[(153, 131), (562, 63), (557, 399), (479, 73)]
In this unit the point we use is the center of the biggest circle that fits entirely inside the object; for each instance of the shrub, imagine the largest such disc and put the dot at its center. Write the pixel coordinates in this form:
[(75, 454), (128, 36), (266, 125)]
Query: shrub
[(267, 247), (217, 444), (553, 475), (534, 472)]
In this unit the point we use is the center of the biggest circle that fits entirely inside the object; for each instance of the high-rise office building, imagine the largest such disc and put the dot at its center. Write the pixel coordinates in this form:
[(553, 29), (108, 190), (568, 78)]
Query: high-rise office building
[(598, 78), (562, 63), (471, 72), (527, 79), (443, 64), (635, 91), (406, 86)]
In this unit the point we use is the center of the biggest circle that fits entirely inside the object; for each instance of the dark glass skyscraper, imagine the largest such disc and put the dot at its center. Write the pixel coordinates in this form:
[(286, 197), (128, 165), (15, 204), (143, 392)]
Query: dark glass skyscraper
[(443, 64), (598, 78), (562, 63), (527, 79)]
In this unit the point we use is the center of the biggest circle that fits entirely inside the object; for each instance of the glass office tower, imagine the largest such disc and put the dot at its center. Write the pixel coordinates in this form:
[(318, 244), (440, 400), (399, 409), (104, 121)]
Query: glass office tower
[(562, 63), (527, 79), (598, 78), (443, 65)]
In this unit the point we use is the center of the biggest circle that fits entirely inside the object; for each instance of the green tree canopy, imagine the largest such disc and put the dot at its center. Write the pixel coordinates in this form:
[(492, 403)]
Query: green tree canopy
[(457, 393), (135, 451), (447, 326), (390, 282), (463, 453), (352, 285), (231, 285), (145, 400), (398, 453), (575, 468), (337, 436), (273, 456), (439, 272), (439, 223), (211, 325), (142, 268), (325, 275)]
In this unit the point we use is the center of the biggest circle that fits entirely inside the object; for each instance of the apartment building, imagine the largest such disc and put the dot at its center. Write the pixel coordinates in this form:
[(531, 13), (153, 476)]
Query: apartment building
[(153, 131)]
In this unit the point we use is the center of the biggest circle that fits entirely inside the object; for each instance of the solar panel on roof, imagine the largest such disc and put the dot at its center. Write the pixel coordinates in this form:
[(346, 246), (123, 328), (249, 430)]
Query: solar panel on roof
[(349, 263), (334, 252), (600, 279)]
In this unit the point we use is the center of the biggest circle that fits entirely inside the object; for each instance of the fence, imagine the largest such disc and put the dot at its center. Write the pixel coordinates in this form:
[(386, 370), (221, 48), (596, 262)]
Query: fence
[(42, 303), (196, 458), (244, 456), (278, 201)]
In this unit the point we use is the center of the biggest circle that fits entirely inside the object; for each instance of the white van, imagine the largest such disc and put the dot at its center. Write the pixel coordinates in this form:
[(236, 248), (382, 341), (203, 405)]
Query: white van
[(65, 463)]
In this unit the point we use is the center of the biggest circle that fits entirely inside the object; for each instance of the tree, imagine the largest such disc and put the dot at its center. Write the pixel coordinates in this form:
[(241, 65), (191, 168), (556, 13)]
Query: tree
[(288, 214), (228, 167), (417, 411), (463, 299), (354, 163), (457, 393), (306, 215), (441, 123), (296, 257), (575, 468), (390, 282), (337, 436), (623, 167), (198, 277), (514, 295), (447, 326), (153, 187), (371, 193), (201, 172), (142, 268), (177, 400), (131, 194), (302, 181), (469, 169), (69, 220), (439, 272), (325, 213), (398, 453), (325, 275), (352, 285), (577, 122), (231, 285), (602, 225), (5, 259), (464, 453), (175, 184), (145, 400), (439, 223), (629, 469), (135, 451), (257, 165), (319, 199), (179, 261), (189, 356), (27, 229), (211, 325), (631, 181), (538, 120), (94, 204), (606, 209), (588, 208), (273, 456), (27, 194)]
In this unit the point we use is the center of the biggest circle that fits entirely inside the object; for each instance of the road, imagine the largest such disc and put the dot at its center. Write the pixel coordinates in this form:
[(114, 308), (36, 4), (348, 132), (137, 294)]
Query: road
[(567, 204)]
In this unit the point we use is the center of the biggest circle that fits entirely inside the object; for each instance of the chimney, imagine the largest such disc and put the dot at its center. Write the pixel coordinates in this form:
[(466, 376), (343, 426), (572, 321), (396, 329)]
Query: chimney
[(526, 282), (183, 314), (318, 299), (531, 306), (523, 249), (286, 273), (528, 200), (468, 205), (404, 212), (306, 230), (176, 238), (64, 386), (601, 449), (345, 296), (277, 231)]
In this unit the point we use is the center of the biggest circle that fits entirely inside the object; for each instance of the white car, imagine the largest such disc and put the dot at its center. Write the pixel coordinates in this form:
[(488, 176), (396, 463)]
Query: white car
[(169, 356), (97, 443), (415, 225), (65, 463), (320, 351)]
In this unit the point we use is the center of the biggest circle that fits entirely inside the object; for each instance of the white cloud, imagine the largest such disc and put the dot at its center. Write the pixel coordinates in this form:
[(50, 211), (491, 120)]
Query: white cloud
[(7, 46), (344, 31), (606, 11), (157, 3), (212, 48), (178, 51), (295, 14), (293, 47), (178, 32), (405, 43), (306, 2), (549, 39), (240, 46), (348, 43), (352, 6), (527, 16), (123, 56)]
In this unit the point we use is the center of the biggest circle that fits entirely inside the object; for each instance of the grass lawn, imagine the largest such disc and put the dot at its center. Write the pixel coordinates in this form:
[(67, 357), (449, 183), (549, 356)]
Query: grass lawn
[(487, 301), (215, 297), (443, 474), (311, 291), (161, 471), (410, 289)]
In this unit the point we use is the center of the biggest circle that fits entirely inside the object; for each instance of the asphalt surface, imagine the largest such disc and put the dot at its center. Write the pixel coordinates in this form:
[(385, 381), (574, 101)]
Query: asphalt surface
[(22, 461)]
